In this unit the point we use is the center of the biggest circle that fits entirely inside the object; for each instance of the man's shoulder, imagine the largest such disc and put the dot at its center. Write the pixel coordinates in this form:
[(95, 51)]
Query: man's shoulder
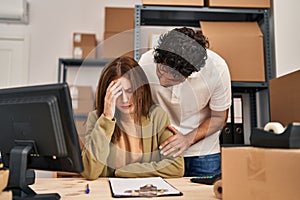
[(149, 52), (215, 61), (213, 55), (146, 57)]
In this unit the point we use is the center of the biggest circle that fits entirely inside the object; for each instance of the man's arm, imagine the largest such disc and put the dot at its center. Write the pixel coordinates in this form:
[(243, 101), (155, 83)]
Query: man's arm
[(180, 143)]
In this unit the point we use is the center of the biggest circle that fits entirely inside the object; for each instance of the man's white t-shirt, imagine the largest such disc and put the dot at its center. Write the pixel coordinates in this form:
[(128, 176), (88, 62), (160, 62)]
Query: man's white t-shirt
[(190, 102)]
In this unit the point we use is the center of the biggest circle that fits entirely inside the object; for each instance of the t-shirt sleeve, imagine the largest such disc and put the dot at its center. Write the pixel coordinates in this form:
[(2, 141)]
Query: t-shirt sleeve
[(221, 96)]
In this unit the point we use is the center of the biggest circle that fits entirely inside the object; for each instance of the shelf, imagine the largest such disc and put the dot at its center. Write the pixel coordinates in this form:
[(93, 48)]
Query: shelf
[(155, 15), (80, 116), (190, 16), (64, 63), (248, 86)]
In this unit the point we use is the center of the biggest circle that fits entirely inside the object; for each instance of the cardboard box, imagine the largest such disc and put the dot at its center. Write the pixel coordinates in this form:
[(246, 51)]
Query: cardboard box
[(82, 99), (4, 174), (6, 195), (84, 45), (119, 19), (285, 98), (239, 3), (119, 33), (174, 2), (82, 106), (241, 45), (118, 44), (81, 92), (259, 173)]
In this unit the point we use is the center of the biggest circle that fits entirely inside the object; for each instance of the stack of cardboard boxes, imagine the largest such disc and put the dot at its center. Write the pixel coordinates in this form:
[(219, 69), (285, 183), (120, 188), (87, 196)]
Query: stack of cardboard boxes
[(82, 103)]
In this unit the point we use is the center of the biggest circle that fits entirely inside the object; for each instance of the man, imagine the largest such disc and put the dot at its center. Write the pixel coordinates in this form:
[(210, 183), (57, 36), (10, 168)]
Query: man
[(193, 85)]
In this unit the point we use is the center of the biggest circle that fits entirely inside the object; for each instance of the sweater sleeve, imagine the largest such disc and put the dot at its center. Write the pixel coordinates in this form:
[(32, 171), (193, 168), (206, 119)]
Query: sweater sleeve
[(157, 165), (97, 146)]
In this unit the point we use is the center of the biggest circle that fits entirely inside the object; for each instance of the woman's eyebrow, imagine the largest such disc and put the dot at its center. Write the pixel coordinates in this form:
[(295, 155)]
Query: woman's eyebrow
[(128, 89)]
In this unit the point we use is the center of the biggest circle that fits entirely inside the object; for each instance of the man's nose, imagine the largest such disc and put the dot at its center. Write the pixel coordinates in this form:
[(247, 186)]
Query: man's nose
[(163, 82)]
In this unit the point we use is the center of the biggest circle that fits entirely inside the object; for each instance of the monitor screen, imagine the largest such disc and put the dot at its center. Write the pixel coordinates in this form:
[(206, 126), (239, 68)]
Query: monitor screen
[(37, 121)]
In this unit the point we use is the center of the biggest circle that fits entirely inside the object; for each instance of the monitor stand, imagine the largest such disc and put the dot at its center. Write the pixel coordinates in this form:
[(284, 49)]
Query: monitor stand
[(20, 177)]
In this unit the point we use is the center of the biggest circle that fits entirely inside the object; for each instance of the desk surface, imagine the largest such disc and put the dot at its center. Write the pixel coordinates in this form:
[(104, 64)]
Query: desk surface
[(74, 188)]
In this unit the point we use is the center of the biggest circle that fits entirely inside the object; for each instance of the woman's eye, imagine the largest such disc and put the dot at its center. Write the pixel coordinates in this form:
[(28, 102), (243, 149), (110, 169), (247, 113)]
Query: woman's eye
[(129, 91)]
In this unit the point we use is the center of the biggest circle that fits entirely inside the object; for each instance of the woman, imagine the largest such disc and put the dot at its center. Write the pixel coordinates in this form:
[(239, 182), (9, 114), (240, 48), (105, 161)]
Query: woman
[(126, 129)]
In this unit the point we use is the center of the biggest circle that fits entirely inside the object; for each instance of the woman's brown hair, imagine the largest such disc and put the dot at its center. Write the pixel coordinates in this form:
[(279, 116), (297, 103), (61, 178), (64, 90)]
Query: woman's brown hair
[(126, 67)]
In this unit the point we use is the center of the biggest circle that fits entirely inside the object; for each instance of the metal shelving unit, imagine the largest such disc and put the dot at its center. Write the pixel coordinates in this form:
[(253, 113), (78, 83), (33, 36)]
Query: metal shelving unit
[(190, 16), (64, 63)]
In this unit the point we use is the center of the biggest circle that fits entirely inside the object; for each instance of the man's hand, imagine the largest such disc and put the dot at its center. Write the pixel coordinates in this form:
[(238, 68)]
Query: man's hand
[(177, 142), (180, 143)]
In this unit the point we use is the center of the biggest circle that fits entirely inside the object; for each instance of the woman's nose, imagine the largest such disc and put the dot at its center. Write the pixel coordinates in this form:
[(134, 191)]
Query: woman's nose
[(124, 96)]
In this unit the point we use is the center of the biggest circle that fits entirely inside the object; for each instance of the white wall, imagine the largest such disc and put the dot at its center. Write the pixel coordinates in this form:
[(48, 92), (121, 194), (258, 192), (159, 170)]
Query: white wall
[(287, 31)]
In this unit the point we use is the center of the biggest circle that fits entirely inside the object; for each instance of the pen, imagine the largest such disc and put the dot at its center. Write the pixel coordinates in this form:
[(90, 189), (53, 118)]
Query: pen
[(87, 190)]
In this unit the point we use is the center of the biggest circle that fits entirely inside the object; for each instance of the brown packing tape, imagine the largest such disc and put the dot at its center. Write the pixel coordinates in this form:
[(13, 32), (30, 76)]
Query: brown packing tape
[(256, 163), (218, 189), (257, 174)]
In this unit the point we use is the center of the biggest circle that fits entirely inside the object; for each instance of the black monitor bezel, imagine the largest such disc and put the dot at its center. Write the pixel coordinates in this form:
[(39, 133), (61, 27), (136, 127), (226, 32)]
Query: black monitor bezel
[(72, 162)]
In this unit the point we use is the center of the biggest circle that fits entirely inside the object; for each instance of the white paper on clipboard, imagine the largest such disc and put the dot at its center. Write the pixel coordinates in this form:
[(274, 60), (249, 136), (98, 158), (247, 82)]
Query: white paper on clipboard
[(120, 185)]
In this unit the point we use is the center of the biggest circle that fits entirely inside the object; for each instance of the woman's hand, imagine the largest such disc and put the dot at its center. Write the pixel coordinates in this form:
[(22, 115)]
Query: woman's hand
[(113, 91)]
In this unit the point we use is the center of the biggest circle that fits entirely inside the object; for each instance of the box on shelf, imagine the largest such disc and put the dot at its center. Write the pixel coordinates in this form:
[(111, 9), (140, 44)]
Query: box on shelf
[(82, 99), (119, 19), (117, 44), (241, 45), (260, 173), (84, 45), (239, 3), (4, 174), (285, 98), (119, 33), (174, 2), (4, 195)]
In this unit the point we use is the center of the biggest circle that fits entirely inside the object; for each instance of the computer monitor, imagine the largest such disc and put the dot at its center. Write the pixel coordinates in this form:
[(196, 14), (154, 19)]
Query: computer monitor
[(37, 132)]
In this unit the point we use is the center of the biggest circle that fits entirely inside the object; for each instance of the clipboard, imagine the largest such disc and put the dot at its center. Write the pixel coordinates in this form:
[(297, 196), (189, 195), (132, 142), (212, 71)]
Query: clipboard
[(141, 187)]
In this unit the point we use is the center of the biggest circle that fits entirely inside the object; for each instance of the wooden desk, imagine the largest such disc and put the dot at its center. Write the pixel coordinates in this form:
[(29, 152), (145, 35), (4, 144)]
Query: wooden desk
[(74, 188)]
